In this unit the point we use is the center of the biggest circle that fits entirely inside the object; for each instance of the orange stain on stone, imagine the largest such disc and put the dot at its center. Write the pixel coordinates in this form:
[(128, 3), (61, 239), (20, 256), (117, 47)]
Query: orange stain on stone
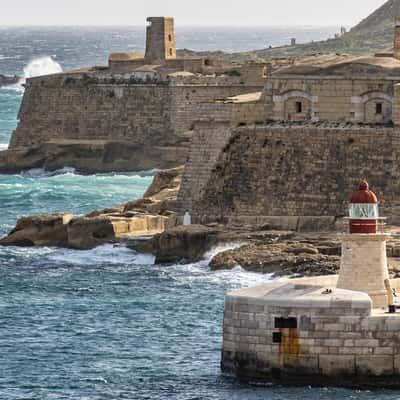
[(289, 347)]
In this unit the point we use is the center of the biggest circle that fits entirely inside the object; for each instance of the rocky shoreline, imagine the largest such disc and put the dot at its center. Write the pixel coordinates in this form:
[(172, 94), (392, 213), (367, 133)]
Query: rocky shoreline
[(147, 216), (9, 80), (150, 225)]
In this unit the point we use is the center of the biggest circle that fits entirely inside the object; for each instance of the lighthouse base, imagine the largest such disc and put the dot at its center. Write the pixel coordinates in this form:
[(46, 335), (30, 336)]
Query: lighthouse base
[(307, 331), (363, 266)]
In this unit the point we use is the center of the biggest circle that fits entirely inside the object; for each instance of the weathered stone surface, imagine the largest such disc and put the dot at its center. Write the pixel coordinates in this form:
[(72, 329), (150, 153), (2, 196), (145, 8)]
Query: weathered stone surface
[(86, 233), (147, 216), (165, 181), (179, 243), (285, 258), (42, 230), (97, 122), (308, 331), (91, 156)]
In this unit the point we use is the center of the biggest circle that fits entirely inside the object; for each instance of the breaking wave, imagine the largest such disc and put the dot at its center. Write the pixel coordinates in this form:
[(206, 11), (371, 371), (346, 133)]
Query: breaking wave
[(42, 66), (42, 173), (107, 254), (37, 67)]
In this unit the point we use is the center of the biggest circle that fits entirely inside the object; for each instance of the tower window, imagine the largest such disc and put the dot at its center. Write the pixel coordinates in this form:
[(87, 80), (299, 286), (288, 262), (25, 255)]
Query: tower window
[(170, 38), (299, 107), (170, 52), (378, 108)]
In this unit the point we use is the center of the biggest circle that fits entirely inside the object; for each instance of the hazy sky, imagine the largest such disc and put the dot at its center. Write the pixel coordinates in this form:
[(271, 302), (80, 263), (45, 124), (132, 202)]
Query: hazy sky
[(186, 12)]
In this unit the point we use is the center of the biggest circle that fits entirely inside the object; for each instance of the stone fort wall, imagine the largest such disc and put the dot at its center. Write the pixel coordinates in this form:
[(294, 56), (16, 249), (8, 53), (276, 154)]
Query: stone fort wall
[(331, 98), (288, 170), (147, 110)]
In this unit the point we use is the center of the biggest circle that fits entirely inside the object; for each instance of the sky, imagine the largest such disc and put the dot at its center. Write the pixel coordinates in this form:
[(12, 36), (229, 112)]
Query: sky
[(186, 12)]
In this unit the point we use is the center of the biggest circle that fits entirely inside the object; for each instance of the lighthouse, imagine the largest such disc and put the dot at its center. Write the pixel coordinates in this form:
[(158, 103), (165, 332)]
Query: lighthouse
[(363, 210), (363, 264)]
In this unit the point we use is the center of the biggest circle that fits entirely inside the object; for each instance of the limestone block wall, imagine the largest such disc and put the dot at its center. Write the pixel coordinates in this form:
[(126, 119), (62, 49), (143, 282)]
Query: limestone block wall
[(298, 109), (252, 112), (188, 96), (296, 170), (333, 98), (211, 135), (75, 108), (144, 110), (363, 266), (396, 46), (317, 342), (207, 141)]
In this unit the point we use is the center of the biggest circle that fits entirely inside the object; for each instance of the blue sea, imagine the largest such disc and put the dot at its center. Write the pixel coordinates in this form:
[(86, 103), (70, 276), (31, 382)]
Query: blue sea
[(108, 323)]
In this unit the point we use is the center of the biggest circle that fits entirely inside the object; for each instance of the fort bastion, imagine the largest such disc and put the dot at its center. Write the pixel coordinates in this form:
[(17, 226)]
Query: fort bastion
[(281, 157), (136, 113)]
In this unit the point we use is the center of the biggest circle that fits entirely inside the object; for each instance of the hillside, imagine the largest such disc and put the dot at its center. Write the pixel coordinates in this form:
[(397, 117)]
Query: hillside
[(371, 35)]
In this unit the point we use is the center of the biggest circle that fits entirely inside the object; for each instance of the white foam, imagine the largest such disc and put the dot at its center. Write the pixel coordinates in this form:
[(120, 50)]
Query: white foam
[(190, 274), (3, 146), (221, 248), (106, 254), (140, 174), (2, 57), (42, 66), (42, 173), (37, 67)]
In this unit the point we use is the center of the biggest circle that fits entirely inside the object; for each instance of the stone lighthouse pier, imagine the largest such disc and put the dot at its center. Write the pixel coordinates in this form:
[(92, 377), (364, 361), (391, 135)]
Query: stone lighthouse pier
[(332, 330)]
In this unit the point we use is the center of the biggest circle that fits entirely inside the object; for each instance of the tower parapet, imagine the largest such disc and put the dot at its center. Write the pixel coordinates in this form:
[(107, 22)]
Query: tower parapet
[(160, 40)]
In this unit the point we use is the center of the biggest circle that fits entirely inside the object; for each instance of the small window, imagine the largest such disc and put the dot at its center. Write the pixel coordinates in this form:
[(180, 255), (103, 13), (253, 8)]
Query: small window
[(299, 107), (170, 52), (290, 323), (378, 108), (170, 38), (276, 337)]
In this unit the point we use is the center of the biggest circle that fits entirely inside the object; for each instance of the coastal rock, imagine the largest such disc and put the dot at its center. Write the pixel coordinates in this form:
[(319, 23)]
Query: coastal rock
[(143, 217), (9, 80), (41, 230), (161, 196), (187, 243), (190, 243), (87, 233), (165, 182), (90, 157), (286, 258)]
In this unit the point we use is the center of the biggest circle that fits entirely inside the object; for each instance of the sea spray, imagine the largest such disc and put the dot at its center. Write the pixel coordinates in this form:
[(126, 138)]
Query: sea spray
[(42, 66), (108, 254), (37, 67)]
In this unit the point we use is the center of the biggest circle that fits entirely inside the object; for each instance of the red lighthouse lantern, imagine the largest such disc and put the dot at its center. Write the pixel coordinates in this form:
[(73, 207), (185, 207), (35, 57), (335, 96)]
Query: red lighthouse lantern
[(363, 210)]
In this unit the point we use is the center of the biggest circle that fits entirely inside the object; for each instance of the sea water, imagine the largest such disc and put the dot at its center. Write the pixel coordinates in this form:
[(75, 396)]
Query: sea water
[(108, 323)]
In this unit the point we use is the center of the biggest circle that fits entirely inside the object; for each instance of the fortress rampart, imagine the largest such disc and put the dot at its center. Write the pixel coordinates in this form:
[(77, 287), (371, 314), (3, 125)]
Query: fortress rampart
[(148, 110), (287, 170), (136, 113), (99, 116)]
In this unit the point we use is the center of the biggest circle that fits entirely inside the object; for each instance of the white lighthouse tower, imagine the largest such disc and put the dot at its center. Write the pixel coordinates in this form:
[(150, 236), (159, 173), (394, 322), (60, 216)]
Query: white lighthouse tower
[(364, 263)]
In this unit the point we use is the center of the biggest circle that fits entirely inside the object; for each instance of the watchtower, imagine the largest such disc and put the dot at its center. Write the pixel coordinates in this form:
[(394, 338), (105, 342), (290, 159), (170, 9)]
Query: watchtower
[(160, 41)]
